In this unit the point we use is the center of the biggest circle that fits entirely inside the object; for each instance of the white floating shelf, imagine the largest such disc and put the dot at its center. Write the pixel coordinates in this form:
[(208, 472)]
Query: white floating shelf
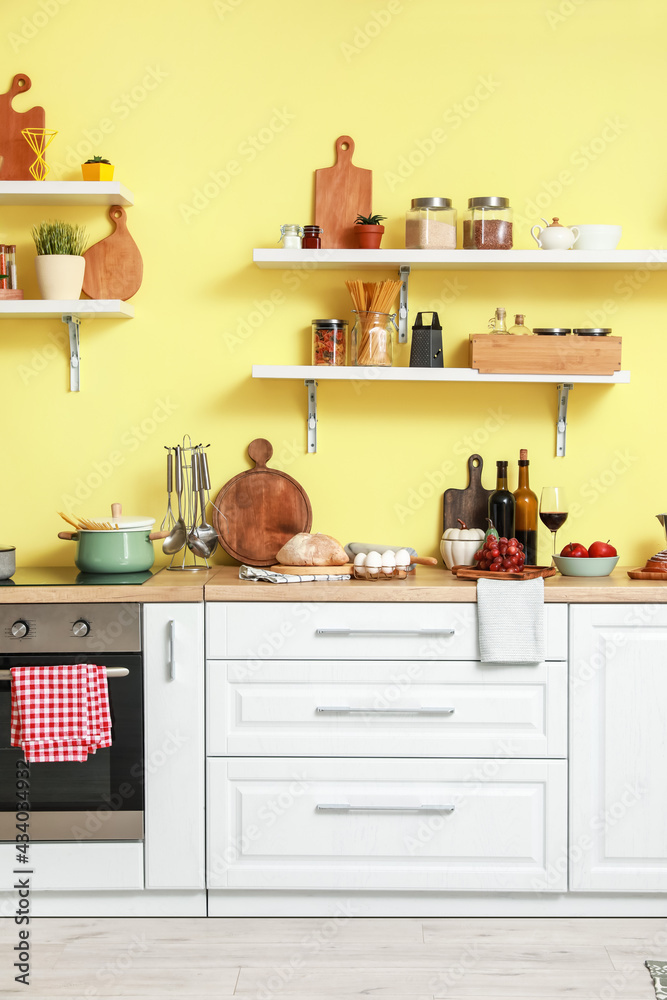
[(349, 374), (464, 260), (65, 193), (57, 308), (312, 374)]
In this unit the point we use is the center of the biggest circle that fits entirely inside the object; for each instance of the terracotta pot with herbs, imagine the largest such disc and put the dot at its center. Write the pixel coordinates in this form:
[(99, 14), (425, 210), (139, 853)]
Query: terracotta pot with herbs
[(369, 231)]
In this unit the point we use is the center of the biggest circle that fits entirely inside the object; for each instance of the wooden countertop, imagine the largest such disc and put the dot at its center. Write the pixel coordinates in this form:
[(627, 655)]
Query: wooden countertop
[(425, 585), (432, 586)]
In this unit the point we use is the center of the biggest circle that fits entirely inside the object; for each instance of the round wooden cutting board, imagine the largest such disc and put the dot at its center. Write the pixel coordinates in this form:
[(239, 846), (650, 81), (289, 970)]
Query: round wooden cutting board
[(259, 510)]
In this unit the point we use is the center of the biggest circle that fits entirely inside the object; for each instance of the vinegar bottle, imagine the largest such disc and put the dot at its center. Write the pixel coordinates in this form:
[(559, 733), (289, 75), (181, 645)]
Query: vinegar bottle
[(502, 504), (526, 511)]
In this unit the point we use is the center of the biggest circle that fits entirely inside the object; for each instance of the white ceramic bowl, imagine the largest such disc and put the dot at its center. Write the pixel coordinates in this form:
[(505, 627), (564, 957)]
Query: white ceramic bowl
[(597, 237), (571, 566)]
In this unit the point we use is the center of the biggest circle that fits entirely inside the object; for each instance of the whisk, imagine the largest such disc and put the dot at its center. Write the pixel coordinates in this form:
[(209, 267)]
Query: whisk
[(169, 520)]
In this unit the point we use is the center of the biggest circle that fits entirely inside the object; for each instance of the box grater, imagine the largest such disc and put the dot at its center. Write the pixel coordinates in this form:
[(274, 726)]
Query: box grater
[(426, 349)]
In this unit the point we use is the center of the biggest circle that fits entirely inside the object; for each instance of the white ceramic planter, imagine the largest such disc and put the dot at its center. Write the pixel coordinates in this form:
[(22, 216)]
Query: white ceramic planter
[(60, 276)]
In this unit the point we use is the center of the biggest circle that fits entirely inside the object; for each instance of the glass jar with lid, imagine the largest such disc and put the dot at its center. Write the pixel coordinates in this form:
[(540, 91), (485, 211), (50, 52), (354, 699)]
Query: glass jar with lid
[(312, 237), (487, 224), (430, 224), (329, 341), (290, 236)]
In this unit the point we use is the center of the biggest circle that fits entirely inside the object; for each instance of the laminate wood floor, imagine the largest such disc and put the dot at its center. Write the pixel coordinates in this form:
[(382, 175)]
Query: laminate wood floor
[(315, 959)]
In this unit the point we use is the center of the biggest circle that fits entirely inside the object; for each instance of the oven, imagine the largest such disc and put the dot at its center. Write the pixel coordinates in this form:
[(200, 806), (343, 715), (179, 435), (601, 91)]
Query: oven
[(103, 798)]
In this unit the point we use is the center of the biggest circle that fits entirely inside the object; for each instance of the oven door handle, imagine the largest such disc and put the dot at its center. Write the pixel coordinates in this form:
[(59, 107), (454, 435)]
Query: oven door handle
[(112, 672), (172, 650)]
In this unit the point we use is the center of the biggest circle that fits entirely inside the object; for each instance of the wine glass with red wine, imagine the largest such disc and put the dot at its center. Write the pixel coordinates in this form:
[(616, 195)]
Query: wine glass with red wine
[(553, 510)]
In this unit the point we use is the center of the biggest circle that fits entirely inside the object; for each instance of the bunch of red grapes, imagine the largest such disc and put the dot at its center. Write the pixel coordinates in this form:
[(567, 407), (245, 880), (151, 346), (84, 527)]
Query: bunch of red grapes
[(501, 555)]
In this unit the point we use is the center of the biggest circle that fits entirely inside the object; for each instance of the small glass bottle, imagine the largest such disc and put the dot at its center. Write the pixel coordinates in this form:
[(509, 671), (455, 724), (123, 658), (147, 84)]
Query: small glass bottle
[(290, 236), (311, 238), (502, 504), (430, 224), (497, 323), (487, 224), (329, 341), (11, 266), (519, 328), (4, 273)]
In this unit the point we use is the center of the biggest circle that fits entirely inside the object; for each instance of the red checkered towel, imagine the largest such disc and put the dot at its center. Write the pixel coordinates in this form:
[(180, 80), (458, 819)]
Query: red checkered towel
[(60, 713)]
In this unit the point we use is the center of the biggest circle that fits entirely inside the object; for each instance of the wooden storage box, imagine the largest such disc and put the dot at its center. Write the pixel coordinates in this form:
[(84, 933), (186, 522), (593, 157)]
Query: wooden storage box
[(493, 354)]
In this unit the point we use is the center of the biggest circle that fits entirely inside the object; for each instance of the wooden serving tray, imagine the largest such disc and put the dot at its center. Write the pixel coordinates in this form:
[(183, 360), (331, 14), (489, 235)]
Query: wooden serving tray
[(527, 573), (646, 574), (499, 354)]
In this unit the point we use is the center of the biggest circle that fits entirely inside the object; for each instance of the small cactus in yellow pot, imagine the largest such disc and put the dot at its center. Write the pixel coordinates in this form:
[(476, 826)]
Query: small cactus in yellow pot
[(97, 169)]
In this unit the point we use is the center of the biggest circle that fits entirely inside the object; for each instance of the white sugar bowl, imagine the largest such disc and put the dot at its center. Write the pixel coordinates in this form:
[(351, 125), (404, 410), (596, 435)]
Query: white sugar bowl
[(554, 236)]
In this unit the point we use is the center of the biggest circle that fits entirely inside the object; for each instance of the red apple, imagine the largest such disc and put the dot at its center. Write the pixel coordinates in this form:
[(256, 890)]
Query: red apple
[(575, 551), (601, 550)]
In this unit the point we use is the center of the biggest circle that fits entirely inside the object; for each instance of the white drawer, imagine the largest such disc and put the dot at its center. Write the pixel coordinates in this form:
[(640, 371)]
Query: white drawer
[(386, 824), (329, 631), (386, 709)]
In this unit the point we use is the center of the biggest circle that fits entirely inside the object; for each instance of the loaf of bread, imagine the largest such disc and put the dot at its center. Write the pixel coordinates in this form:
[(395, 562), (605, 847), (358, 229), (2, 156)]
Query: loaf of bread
[(305, 549)]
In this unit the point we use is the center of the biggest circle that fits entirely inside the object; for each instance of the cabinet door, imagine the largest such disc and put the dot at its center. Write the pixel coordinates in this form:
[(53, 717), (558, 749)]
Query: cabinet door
[(618, 751), (300, 823), (174, 744)]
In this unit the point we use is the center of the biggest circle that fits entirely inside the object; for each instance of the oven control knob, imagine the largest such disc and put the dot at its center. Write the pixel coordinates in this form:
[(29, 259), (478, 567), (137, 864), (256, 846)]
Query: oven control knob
[(81, 627), (19, 629)]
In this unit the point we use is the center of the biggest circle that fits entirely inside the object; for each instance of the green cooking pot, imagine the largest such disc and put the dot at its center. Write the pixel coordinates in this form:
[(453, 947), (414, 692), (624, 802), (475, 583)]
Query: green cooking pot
[(118, 551)]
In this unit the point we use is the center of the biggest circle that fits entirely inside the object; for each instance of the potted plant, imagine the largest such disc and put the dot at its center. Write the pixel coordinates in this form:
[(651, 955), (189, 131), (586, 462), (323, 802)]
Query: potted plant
[(59, 264), (97, 169), (370, 231)]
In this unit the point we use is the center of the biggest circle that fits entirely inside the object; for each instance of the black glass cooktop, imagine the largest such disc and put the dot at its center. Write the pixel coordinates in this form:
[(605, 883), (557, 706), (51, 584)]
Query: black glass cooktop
[(69, 576)]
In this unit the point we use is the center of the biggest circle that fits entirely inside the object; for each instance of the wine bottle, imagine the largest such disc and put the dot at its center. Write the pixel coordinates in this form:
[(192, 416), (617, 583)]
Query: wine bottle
[(526, 511), (502, 504)]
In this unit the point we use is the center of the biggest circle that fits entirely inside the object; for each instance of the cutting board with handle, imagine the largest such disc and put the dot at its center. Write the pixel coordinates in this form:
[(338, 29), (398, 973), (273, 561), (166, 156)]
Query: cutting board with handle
[(114, 268), (470, 504), (341, 193), (256, 512), (17, 156)]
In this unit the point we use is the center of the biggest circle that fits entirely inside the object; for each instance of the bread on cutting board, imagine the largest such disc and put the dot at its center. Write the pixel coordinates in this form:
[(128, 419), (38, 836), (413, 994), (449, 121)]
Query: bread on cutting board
[(305, 549)]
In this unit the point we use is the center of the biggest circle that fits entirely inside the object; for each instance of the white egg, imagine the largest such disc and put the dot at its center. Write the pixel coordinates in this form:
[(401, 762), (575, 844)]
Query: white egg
[(402, 558), (373, 560), (388, 562), (360, 559)]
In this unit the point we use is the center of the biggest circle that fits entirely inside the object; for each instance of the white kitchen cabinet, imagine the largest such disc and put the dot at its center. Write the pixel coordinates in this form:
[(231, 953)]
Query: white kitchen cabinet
[(618, 748), (174, 745), (377, 708), (294, 823)]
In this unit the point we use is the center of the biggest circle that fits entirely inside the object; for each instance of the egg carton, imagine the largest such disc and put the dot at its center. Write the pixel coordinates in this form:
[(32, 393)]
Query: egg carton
[(373, 573)]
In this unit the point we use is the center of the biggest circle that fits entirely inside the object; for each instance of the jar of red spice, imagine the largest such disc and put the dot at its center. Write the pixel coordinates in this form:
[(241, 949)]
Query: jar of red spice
[(311, 237), (487, 224), (329, 341)]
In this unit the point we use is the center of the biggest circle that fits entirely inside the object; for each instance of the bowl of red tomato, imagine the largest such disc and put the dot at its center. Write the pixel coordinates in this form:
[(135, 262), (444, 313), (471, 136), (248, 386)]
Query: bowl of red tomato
[(599, 559)]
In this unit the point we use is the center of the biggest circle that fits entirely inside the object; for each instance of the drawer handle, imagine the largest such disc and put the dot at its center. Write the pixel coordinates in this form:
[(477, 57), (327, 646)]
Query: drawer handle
[(345, 807), (344, 710), (385, 631)]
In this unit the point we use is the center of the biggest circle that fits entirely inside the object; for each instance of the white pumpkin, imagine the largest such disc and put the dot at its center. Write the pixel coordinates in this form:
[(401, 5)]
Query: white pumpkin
[(458, 545)]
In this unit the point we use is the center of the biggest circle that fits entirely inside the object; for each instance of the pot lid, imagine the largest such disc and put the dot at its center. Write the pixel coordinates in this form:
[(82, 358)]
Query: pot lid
[(555, 224), (125, 522)]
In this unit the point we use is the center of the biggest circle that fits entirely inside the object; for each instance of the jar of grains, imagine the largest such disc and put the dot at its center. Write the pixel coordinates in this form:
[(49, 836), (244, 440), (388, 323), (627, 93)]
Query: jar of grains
[(430, 224), (487, 224), (329, 341)]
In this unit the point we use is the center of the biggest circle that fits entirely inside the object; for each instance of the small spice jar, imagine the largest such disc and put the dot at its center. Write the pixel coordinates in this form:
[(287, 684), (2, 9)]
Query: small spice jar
[(487, 224), (329, 341), (311, 237), (290, 236), (430, 224)]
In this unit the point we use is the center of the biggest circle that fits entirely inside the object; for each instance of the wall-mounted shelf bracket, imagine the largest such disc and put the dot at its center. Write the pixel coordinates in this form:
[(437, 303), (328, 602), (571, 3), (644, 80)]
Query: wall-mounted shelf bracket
[(311, 389), (73, 324), (404, 274), (561, 426)]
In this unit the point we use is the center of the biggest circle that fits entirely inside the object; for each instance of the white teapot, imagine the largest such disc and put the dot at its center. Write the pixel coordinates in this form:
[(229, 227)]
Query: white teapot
[(554, 236)]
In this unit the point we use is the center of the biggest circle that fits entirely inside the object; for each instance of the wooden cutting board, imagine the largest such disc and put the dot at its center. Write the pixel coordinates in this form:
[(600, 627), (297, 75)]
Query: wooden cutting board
[(341, 193), (259, 510), (344, 570), (114, 268), (646, 574), (15, 151), (470, 504), (527, 573)]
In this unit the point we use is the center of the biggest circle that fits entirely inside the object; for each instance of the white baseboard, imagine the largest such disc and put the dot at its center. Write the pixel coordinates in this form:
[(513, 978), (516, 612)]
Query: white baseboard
[(145, 903)]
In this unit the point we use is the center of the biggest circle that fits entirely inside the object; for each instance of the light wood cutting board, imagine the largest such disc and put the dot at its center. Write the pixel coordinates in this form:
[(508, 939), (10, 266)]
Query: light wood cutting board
[(15, 151), (114, 268), (341, 193), (344, 570)]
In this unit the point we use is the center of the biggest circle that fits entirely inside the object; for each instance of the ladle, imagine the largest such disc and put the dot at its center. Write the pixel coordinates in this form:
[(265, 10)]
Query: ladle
[(178, 535)]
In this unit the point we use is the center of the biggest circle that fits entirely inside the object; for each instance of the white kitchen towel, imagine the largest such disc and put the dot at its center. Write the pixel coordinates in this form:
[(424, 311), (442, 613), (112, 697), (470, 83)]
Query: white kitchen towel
[(270, 576), (510, 620)]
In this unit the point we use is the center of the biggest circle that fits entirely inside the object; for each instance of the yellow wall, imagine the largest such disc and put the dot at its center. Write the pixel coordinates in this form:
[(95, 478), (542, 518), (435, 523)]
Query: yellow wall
[(562, 106)]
